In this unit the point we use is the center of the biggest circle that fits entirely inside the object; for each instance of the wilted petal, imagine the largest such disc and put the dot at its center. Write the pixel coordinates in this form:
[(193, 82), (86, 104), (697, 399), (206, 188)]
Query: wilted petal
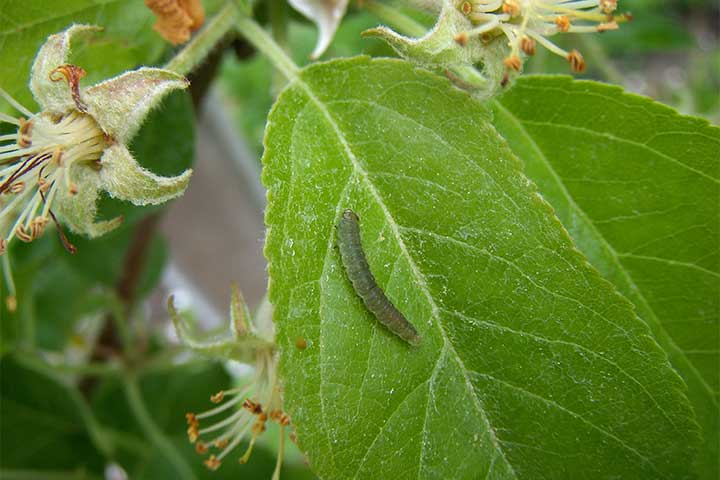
[(78, 211), (326, 14), (123, 178), (176, 19), (55, 96), (120, 104)]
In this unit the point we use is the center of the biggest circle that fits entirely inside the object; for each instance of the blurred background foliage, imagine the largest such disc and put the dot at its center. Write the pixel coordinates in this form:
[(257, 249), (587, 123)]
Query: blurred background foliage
[(48, 429)]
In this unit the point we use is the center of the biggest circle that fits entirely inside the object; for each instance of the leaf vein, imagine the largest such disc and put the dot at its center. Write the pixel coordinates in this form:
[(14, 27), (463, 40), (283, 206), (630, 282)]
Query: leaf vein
[(423, 440), (640, 298), (610, 136), (667, 261), (571, 413), (363, 174)]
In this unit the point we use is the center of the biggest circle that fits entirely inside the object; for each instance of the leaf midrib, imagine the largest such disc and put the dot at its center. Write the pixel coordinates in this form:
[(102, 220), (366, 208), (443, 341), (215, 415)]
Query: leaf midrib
[(363, 175), (614, 256)]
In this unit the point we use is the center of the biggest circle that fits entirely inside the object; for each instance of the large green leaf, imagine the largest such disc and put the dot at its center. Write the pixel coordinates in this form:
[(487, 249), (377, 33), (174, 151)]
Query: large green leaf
[(128, 39), (41, 427), (638, 187), (531, 365)]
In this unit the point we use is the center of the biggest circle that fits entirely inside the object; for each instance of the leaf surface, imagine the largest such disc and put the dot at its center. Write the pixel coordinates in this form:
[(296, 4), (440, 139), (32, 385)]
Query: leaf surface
[(638, 188), (531, 365)]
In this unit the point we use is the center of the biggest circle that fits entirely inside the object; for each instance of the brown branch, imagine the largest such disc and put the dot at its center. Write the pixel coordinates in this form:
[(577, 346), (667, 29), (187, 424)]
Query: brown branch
[(109, 343), (135, 258), (201, 79)]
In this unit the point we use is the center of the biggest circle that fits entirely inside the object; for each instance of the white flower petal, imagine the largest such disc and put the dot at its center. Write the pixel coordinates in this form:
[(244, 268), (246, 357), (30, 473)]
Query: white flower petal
[(55, 96), (326, 14), (122, 177), (120, 104)]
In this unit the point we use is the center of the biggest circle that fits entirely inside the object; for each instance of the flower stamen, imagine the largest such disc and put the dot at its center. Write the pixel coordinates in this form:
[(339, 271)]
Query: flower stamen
[(252, 407), (50, 145), (525, 23), (69, 247)]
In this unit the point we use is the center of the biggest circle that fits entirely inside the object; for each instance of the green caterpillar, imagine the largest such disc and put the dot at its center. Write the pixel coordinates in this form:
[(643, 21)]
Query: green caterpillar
[(358, 271)]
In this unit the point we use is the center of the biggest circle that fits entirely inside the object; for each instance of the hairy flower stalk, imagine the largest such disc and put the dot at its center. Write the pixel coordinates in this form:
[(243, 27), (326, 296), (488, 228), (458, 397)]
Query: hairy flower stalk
[(527, 23), (54, 166)]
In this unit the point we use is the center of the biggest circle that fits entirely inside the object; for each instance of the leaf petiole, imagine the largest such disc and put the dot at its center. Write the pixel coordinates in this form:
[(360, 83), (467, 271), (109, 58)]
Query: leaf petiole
[(264, 42)]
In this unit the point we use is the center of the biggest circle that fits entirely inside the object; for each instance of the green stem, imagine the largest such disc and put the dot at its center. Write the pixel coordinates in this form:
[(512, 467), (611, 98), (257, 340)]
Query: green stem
[(102, 443), (198, 48), (396, 18), (264, 43), (119, 312), (153, 432), (278, 12), (91, 369), (6, 474), (126, 441)]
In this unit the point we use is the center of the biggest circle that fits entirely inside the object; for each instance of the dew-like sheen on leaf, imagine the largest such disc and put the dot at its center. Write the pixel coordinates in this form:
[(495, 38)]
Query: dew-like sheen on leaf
[(531, 365)]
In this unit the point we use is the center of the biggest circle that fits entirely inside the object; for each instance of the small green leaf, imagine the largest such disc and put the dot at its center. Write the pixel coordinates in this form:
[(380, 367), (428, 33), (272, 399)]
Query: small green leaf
[(638, 187), (530, 366)]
